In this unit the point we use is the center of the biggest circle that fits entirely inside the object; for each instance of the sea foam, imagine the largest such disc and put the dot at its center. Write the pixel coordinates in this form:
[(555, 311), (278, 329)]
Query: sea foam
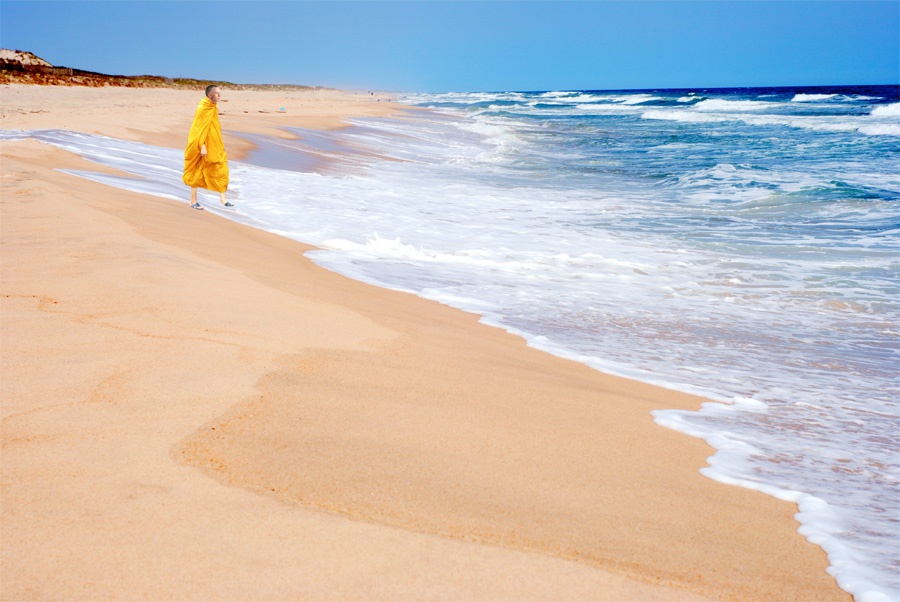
[(888, 110)]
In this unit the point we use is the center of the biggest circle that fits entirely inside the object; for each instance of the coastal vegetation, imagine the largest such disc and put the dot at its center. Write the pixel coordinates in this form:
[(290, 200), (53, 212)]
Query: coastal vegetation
[(23, 67)]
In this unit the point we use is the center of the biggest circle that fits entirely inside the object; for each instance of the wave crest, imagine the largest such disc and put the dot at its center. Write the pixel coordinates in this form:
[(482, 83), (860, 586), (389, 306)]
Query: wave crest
[(889, 110)]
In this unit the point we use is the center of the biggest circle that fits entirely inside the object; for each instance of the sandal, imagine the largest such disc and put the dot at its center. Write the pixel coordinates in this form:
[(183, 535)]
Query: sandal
[(197, 206)]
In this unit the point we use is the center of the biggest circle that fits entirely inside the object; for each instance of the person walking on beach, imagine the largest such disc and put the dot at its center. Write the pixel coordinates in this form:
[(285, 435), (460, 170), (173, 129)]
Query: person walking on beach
[(205, 161)]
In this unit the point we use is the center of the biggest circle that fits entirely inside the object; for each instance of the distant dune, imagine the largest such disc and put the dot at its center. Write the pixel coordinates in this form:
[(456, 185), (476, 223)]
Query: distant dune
[(22, 58), (23, 67)]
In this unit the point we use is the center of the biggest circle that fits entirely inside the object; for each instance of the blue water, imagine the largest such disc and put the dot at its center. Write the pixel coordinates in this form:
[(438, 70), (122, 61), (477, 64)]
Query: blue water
[(738, 243)]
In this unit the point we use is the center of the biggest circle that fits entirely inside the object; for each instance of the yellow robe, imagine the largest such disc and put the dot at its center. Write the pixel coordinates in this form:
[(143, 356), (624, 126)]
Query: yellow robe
[(212, 172)]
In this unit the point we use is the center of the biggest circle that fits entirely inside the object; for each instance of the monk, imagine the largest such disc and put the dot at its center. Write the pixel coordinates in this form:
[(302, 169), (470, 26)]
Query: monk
[(205, 161)]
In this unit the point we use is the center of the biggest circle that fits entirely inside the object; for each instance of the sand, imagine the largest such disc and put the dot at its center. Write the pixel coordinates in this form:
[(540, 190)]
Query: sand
[(191, 410)]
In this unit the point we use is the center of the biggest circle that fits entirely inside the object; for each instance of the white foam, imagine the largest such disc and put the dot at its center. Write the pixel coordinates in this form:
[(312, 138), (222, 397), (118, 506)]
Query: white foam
[(602, 109), (889, 110), (568, 98), (880, 130), (719, 105), (636, 99), (558, 94), (686, 116), (376, 246), (846, 123), (813, 97), (572, 98), (822, 524)]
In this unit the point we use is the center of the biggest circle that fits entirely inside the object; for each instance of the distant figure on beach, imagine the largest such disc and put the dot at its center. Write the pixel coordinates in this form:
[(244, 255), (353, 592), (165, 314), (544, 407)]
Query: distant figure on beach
[(205, 161)]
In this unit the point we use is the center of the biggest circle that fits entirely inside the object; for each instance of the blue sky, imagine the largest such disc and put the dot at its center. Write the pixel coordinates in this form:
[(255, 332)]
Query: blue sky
[(471, 46)]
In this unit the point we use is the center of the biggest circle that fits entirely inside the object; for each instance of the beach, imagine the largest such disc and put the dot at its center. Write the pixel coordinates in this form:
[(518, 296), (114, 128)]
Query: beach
[(193, 410)]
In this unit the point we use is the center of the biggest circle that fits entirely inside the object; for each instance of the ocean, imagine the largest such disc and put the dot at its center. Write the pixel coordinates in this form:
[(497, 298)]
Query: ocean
[(740, 244)]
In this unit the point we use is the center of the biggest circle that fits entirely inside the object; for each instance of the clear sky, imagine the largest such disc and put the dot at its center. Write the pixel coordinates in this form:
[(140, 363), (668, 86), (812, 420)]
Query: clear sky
[(435, 46)]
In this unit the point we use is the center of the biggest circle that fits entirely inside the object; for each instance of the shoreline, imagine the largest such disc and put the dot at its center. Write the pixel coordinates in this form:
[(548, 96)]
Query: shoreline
[(240, 112), (313, 375)]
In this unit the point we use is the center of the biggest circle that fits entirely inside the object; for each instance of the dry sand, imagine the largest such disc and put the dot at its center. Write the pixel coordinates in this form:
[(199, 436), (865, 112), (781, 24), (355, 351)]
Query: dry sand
[(191, 410)]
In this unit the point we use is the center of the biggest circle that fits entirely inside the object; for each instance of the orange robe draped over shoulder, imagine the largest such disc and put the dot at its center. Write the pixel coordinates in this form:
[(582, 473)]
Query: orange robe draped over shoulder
[(210, 173)]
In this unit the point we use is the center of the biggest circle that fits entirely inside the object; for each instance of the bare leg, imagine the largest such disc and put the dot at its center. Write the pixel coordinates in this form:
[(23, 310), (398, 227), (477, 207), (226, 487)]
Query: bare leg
[(223, 201), (194, 203)]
